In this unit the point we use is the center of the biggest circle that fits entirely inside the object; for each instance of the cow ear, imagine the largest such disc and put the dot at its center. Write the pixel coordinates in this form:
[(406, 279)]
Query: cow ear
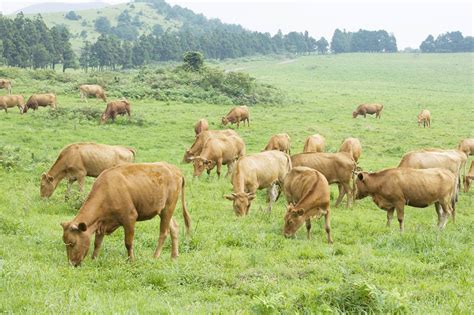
[(360, 176), (229, 197), (251, 196), (82, 227), (64, 224), (300, 212)]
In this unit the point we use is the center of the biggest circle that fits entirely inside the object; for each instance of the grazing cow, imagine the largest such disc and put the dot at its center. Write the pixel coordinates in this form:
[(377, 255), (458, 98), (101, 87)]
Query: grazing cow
[(218, 152), (8, 101), (201, 125), (87, 90), (336, 167), (43, 100), (392, 189), (468, 178), (78, 160), (467, 146), (353, 147), (314, 143), (370, 109), (201, 138), (121, 196), (307, 194), (280, 142), (6, 84), (115, 108), (236, 115), (424, 117), (254, 172)]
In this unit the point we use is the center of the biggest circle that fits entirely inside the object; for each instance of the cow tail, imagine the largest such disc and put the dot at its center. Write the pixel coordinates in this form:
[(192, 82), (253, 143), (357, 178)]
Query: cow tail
[(186, 216), (134, 152), (290, 165), (354, 174)]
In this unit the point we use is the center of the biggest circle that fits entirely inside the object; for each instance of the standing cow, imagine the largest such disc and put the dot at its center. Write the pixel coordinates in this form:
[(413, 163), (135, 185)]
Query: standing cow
[(201, 125), (78, 160), (353, 147), (201, 139), (468, 178), (7, 85), (257, 171), (115, 108), (467, 146), (307, 194), (370, 109), (96, 90), (9, 101), (424, 117), (236, 115), (43, 100), (393, 189), (121, 196), (314, 143), (280, 142)]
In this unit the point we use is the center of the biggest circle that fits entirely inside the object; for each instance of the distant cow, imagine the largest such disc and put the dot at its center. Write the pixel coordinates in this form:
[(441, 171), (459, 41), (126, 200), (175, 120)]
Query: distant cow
[(236, 115), (314, 143), (353, 147), (280, 142), (121, 196), (393, 189), (200, 126), (78, 160), (468, 178), (217, 152), (370, 109), (6, 84), (9, 101), (307, 194), (87, 90), (258, 171), (424, 117), (336, 167), (115, 108), (201, 138), (43, 100), (467, 146)]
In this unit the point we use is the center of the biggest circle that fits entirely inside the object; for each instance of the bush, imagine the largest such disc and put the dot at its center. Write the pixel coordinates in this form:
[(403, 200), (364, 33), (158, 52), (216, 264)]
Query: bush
[(71, 15), (193, 61)]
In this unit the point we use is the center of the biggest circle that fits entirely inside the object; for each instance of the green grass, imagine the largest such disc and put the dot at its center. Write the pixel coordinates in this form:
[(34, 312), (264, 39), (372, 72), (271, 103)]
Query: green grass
[(245, 265)]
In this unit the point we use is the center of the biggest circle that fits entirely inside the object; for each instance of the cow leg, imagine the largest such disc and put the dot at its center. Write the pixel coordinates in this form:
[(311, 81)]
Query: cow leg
[(308, 229), (448, 210), (129, 229), (80, 180), (342, 192), (219, 167), (164, 227), (6, 110), (272, 194), (327, 225), (230, 168), (174, 230), (440, 213), (238, 122), (348, 190), (69, 187), (97, 244), (400, 216), (389, 216)]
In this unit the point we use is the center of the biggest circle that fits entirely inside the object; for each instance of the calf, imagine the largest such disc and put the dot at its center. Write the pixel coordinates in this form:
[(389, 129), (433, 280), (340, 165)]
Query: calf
[(96, 90), (6, 84), (370, 109), (468, 178), (201, 138), (314, 143), (121, 196), (218, 152), (392, 189), (42, 100), (200, 126), (307, 194), (424, 117), (257, 171), (236, 115), (9, 101), (115, 108), (353, 147), (280, 142), (336, 167)]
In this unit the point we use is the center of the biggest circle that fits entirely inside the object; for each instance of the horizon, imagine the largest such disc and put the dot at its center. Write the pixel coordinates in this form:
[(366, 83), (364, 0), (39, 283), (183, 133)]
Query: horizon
[(320, 18)]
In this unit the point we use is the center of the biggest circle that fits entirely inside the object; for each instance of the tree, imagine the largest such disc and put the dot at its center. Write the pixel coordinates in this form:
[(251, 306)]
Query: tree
[(40, 57), (193, 61), (322, 46), (428, 45), (102, 25), (72, 15), (340, 42)]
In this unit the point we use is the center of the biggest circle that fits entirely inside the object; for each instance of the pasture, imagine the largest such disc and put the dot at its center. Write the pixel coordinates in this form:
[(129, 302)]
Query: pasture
[(244, 264)]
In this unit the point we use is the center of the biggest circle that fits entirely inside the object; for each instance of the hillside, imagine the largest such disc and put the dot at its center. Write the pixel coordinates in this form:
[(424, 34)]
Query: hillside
[(50, 7)]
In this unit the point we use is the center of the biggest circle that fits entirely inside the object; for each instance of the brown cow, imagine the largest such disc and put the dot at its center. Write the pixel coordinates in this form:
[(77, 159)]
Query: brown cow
[(78, 160), (314, 143), (8, 101), (37, 100), (201, 125), (201, 138), (424, 117), (392, 189), (236, 115), (467, 146), (96, 90), (280, 142), (468, 178), (6, 84), (353, 147), (370, 109), (258, 171), (336, 167), (307, 194), (115, 108), (218, 152), (121, 196)]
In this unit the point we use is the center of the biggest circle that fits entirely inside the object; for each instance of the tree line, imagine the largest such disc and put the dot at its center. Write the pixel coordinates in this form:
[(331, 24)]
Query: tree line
[(449, 42), (26, 42), (363, 41)]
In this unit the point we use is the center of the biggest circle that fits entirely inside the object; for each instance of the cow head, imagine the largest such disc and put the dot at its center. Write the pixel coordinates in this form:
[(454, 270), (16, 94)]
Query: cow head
[(47, 185), (103, 118), (77, 241), (354, 114), (241, 202), (294, 219), (361, 185), (225, 121), (467, 182), (200, 164), (188, 156)]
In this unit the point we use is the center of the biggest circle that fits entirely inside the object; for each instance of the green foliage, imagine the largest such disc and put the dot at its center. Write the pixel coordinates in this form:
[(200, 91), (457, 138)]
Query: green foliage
[(72, 15), (102, 24), (193, 61), (363, 41), (447, 43)]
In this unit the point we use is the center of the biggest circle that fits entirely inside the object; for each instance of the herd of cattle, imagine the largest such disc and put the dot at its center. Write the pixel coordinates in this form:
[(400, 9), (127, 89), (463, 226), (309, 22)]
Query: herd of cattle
[(126, 192)]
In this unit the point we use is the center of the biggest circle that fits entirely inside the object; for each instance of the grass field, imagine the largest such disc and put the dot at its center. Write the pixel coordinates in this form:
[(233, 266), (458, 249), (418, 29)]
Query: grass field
[(245, 265)]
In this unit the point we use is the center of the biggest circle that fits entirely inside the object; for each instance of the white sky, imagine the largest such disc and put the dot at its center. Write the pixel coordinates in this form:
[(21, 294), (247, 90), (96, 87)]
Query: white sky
[(410, 21)]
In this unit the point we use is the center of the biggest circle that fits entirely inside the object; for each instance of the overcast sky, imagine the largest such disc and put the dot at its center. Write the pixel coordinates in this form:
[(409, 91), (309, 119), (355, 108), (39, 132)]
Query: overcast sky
[(410, 21)]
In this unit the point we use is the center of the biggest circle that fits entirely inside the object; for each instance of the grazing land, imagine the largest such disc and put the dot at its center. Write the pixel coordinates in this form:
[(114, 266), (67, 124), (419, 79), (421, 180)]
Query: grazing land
[(244, 264)]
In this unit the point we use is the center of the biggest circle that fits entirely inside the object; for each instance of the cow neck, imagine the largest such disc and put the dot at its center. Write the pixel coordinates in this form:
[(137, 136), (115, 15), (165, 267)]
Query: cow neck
[(57, 172), (90, 213), (238, 180), (305, 201)]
